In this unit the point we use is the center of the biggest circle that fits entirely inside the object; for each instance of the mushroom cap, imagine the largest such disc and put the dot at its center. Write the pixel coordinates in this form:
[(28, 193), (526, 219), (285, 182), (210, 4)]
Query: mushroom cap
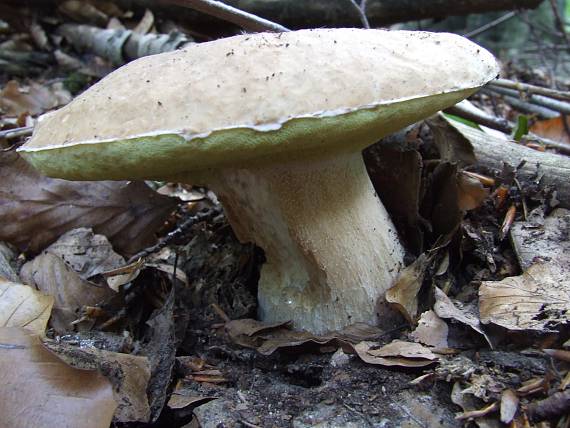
[(256, 98)]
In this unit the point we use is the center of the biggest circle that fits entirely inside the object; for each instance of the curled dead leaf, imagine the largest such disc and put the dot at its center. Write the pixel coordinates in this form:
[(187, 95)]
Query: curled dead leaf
[(404, 293), (431, 331), (395, 353), (465, 314), (53, 277)]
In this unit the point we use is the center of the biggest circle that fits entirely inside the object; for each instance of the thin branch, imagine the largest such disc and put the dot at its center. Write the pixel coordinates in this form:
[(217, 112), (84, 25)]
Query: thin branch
[(491, 24), (176, 233), (361, 9), (559, 106), (247, 21), (531, 89), (16, 132)]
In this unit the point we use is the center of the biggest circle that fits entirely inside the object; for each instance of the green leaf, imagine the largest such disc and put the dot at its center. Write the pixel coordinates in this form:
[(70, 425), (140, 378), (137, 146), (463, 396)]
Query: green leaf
[(462, 120), (521, 129)]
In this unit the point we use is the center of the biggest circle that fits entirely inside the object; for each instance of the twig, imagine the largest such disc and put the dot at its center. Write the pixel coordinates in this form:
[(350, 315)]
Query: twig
[(490, 25), (541, 100), (524, 106), (531, 89), (361, 9), (16, 132), (248, 424), (179, 231), (246, 20)]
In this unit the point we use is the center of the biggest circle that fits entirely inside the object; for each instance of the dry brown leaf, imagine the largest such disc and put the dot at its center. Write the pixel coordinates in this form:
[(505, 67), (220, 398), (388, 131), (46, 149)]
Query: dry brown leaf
[(124, 274), (565, 383), (35, 99), (395, 353), (36, 210), (52, 276), (404, 294), (470, 192), (179, 401), (83, 11), (431, 331), (38, 390), (22, 306), (86, 253), (538, 300), (552, 129), (129, 375), (267, 338), (449, 309)]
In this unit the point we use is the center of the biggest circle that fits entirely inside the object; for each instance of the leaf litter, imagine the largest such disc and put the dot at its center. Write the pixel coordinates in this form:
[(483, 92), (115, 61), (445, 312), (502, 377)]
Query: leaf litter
[(148, 324)]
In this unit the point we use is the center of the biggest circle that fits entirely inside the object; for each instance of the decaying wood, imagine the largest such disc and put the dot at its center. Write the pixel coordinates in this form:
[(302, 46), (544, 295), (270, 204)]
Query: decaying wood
[(548, 169)]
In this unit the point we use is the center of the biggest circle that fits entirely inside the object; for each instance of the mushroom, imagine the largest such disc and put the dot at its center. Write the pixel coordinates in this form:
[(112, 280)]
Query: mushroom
[(275, 125)]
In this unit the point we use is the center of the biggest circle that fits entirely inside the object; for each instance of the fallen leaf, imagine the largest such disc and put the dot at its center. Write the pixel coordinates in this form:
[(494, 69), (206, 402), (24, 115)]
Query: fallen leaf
[(82, 11), (395, 353), (159, 346), (267, 338), (449, 309), (53, 277), (123, 275), (451, 144), (471, 192), (179, 401), (86, 253), (538, 300), (36, 210), (431, 331), (22, 306), (39, 390), (552, 129), (129, 375), (404, 294), (35, 99)]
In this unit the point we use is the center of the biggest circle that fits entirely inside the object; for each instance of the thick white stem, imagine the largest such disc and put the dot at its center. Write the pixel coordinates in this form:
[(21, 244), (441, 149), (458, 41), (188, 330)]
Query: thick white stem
[(331, 248)]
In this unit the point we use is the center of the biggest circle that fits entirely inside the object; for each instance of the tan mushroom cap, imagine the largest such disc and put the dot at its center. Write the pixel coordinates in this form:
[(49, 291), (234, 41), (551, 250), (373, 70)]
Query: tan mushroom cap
[(253, 97)]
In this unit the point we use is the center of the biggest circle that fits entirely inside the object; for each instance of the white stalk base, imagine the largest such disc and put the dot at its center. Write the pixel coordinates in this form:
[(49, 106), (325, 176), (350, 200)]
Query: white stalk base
[(331, 249)]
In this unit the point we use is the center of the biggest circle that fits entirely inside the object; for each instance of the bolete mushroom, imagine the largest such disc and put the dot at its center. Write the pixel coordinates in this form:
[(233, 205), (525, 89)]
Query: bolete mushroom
[(275, 125)]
